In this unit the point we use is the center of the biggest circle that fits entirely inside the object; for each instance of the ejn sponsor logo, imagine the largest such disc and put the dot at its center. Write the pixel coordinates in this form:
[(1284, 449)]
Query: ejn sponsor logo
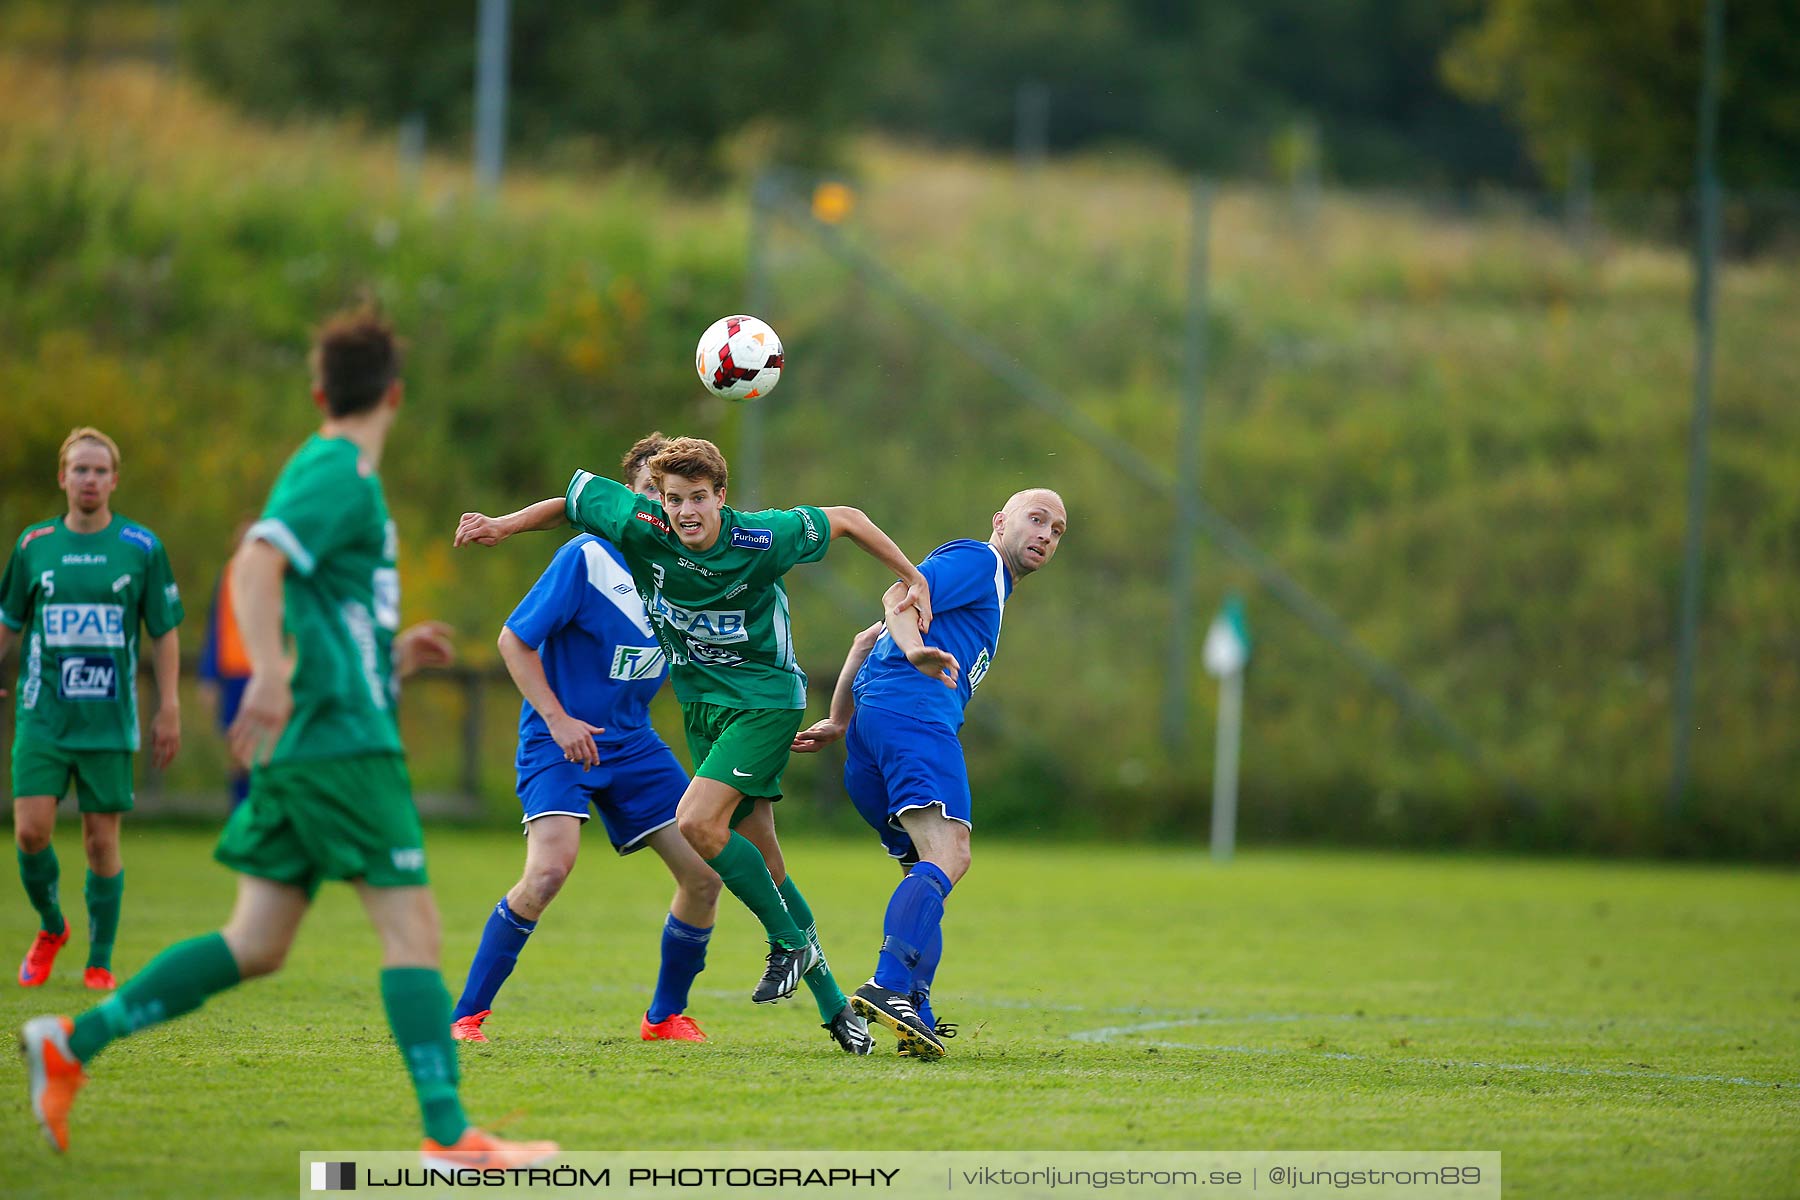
[(333, 1177)]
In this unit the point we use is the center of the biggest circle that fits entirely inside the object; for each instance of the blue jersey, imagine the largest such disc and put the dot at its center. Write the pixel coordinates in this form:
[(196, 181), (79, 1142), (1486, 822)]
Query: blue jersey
[(585, 620), (969, 587)]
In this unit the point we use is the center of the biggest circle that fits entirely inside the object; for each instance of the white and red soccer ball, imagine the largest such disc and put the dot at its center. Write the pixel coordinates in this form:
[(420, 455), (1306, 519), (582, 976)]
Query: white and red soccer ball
[(739, 358)]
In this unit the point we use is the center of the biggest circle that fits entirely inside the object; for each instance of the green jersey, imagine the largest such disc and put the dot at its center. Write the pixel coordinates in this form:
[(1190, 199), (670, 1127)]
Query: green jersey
[(721, 614), (77, 600), (341, 601)]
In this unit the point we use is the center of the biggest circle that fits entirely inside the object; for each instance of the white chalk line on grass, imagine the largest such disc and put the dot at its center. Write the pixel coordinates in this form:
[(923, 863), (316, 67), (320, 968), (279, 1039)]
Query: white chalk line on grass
[(1193, 1016), (1213, 1018), (1165, 1018), (1113, 1033)]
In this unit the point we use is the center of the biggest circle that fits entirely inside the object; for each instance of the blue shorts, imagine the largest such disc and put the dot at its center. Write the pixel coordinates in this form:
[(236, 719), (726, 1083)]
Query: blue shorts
[(635, 788), (898, 763)]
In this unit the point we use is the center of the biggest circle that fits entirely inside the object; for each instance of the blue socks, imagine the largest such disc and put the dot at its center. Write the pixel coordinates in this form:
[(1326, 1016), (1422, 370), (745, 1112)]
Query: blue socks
[(924, 973), (495, 958), (914, 921), (683, 957)]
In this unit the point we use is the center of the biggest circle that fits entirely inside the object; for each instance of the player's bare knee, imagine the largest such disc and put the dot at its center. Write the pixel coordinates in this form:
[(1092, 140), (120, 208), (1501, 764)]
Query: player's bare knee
[(543, 881), (102, 853), (701, 834), (31, 839), (413, 945), (255, 957), (701, 890), (951, 859)]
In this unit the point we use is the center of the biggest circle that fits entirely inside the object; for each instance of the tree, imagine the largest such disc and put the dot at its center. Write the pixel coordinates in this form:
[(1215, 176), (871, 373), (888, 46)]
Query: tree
[(628, 78), (1204, 83), (1620, 79)]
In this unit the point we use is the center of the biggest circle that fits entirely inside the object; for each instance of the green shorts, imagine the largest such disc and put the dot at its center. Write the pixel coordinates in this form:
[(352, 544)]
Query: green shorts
[(331, 818), (744, 748), (102, 777)]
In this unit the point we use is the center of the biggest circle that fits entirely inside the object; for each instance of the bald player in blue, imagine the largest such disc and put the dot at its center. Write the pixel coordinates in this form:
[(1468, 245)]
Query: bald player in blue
[(899, 705)]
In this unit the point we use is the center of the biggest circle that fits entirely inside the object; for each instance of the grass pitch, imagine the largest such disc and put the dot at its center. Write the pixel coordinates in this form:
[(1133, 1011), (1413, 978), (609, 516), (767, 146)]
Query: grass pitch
[(1627, 1030)]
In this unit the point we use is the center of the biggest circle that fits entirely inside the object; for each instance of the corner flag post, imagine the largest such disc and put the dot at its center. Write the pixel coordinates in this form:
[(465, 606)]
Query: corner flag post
[(1227, 652)]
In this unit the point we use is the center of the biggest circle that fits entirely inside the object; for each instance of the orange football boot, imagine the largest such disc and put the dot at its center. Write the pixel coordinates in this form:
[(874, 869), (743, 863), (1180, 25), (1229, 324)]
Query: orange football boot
[(476, 1148), (677, 1028), (52, 1075), (35, 970), (468, 1029)]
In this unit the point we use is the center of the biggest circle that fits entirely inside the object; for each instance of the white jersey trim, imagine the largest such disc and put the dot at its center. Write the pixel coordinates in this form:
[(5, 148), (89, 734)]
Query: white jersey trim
[(999, 592), (784, 638), (583, 815), (606, 576), (637, 843), (277, 534), (943, 811), (572, 497)]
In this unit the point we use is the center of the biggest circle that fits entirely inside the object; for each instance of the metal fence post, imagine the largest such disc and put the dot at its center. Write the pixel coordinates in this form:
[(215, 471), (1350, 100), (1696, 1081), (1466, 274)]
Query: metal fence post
[(1187, 479), (1706, 263), (1031, 125), (472, 687), (748, 470), (490, 94)]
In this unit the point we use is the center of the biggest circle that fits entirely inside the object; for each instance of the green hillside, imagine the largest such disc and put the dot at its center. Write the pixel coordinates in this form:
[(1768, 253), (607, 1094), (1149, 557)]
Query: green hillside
[(1462, 434)]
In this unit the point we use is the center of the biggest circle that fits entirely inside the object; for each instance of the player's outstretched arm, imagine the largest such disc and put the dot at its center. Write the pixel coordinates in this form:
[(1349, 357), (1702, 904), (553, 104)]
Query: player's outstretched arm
[(843, 698), (483, 530), (854, 524), (526, 666), (256, 599), (165, 728), (904, 626)]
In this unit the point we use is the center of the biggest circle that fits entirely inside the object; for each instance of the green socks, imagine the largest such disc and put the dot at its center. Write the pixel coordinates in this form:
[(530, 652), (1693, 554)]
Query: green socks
[(418, 1011), (175, 982), (826, 992), (39, 872), (740, 864), (105, 895)]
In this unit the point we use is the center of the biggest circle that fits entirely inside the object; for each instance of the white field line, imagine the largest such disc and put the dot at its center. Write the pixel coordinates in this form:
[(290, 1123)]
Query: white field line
[(1113, 1033), (1363, 1018), (1201, 1016), (1164, 1018)]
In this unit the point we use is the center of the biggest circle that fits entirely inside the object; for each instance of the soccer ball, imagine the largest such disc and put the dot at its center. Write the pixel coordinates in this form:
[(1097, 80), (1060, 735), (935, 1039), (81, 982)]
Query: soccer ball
[(739, 358)]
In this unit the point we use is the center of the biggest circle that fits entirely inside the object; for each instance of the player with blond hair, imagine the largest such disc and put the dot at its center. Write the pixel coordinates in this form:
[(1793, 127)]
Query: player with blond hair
[(75, 593)]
